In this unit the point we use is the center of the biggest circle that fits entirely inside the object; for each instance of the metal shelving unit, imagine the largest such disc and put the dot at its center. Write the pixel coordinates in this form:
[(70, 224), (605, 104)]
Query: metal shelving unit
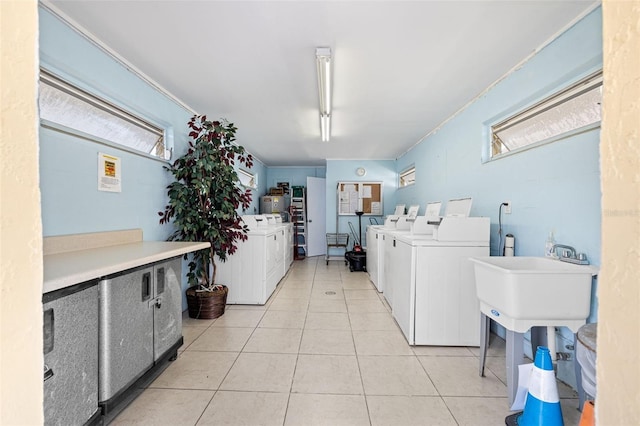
[(299, 219)]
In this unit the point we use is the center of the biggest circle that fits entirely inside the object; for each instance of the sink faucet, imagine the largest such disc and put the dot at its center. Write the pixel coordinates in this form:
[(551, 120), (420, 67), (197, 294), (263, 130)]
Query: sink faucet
[(569, 252), (569, 255)]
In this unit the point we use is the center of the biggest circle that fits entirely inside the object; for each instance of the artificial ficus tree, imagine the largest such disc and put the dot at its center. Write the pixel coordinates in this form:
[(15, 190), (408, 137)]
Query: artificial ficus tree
[(206, 195)]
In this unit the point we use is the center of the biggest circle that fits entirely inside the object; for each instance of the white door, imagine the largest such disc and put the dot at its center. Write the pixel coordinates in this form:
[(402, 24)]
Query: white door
[(316, 215)]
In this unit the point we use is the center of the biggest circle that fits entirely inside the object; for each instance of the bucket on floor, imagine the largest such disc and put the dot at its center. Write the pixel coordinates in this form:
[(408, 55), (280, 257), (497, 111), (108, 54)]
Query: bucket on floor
[(543, 403), (357, 260)]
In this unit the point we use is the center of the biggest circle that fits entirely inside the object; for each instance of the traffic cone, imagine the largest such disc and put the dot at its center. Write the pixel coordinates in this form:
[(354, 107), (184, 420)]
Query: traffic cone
[(543, 403)]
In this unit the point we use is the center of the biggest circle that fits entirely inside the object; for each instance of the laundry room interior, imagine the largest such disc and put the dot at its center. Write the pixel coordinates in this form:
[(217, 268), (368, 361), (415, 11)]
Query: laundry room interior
[(418, 203)]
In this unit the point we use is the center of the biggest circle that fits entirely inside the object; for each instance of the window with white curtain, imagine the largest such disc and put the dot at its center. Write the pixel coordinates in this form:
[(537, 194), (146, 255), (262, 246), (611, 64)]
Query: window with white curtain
[(572, 110), (68, 107)]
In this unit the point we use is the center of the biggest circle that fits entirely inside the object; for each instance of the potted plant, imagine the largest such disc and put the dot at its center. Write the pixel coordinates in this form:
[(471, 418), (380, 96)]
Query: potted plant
[(203, 203)]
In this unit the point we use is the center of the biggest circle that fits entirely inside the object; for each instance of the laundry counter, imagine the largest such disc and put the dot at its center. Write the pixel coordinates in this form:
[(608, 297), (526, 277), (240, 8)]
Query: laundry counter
[(112, 312), (73, 259)]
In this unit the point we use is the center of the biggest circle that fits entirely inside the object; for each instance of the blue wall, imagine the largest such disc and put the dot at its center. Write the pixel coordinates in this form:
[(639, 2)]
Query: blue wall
[(71, 202), (551, 187), (296, 176), (345, 171)]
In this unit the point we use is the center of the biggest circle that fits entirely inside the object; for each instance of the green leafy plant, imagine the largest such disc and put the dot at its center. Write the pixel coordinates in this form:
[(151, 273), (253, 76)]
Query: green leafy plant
[(206, 195)]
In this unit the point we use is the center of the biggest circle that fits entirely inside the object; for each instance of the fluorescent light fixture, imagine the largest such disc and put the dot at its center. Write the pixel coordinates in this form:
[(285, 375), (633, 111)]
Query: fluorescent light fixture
[(323, 63)]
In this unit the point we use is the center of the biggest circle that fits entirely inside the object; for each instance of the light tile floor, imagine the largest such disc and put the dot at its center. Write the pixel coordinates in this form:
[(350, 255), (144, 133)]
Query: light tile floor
[(324, 350)]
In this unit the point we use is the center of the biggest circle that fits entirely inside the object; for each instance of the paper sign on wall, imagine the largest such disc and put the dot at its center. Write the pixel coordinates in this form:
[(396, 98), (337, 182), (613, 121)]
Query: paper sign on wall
[(109, 173)]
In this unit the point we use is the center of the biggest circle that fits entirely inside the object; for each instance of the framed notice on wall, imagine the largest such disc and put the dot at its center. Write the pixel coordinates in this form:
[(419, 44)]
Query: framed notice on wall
[(360, 196), (109, 173)]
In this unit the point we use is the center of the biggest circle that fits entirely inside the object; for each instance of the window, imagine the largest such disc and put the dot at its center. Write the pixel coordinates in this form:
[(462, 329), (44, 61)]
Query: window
[(570, 111), (408, 177), (248, 179), (65, 105)]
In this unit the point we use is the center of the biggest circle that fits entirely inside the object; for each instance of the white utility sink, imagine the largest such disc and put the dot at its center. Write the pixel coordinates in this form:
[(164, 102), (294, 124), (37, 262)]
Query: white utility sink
[(522, 292)]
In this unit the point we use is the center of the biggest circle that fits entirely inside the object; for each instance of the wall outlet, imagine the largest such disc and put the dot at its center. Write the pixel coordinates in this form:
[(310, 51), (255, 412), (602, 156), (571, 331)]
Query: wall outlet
[(507, 207)]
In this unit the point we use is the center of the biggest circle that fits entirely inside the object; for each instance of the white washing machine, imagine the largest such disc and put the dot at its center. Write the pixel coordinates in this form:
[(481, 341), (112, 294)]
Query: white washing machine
[(431, 283)]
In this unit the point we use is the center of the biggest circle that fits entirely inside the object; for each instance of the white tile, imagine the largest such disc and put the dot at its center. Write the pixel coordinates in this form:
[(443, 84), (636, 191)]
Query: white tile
[(458, 376), (293, 283), (381, 343), (221, 339), (355, 294), (329, 410), (394, 375), (274, 340), (365, 306), (327, 321), (357, 285), (189, 334), (327, 284), (327, 342), (285, 304), (239, 318), (372, 321), (327, 292), (337, 374), (409, 411), (316, 305), (233, 408), (196, 370), (165, 407), (261, 372), (327, 276), (478, 411), (283, 319), (295, 293)]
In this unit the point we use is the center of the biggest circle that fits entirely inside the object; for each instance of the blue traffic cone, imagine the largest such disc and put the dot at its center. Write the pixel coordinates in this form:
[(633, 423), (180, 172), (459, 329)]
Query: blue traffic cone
[(543, 403)]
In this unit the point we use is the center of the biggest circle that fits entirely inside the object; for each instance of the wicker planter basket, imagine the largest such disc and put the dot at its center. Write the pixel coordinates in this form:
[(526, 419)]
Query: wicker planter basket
[(206, 304)]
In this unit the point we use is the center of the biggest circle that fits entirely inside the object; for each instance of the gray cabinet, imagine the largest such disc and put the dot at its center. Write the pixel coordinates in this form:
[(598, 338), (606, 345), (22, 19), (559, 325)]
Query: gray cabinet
[(70, 332), (140, 321)]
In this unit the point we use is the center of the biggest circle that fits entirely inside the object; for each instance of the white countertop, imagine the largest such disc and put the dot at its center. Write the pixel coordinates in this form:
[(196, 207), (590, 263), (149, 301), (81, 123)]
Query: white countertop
[(65, 269)]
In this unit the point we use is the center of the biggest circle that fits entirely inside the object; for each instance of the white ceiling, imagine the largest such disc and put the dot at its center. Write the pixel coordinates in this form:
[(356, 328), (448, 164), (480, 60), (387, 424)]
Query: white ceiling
[(401, 68)]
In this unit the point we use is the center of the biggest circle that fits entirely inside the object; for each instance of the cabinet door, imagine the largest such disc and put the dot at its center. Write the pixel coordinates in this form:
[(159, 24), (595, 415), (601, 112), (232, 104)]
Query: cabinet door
[(126, 329), (167, 321), (71, 354), (402, 268)]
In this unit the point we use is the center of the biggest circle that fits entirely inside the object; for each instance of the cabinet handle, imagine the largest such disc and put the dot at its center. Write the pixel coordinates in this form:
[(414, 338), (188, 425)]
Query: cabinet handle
[(48, 332), (160, 281), (146, 286), (48, 372), (394, 243)]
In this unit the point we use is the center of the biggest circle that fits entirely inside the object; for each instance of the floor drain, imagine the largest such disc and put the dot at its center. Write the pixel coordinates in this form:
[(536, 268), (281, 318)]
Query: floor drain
[(329, 293)]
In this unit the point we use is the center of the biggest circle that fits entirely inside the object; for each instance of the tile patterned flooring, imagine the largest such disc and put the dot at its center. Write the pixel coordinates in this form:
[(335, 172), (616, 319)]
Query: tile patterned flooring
[(324, 350)]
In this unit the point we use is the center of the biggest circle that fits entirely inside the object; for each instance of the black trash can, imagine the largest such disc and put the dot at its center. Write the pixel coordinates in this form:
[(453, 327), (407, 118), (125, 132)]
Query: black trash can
[(357, 260)]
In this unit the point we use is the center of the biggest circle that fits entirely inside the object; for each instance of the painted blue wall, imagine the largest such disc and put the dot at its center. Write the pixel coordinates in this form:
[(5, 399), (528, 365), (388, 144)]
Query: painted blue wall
[(296, 176), (551, 187), (345, 171), (71, 202)]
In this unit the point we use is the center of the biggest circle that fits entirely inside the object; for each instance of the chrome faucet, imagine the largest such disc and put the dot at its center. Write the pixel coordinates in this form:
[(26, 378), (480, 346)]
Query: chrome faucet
[(569, 254), (568, 251)]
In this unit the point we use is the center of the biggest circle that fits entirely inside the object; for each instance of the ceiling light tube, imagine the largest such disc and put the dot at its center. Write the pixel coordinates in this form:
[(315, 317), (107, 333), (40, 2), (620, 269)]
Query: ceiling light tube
[(325, 127), (323, 63)]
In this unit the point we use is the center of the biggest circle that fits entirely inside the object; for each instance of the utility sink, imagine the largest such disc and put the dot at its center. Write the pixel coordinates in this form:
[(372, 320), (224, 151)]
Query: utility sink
[(522, 292)]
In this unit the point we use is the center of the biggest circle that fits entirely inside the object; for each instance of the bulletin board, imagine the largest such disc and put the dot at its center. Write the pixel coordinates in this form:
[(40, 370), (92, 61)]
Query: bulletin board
[(360, 196)]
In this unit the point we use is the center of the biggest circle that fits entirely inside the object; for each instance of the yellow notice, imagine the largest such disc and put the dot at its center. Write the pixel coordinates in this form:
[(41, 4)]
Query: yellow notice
[(109, 173)]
